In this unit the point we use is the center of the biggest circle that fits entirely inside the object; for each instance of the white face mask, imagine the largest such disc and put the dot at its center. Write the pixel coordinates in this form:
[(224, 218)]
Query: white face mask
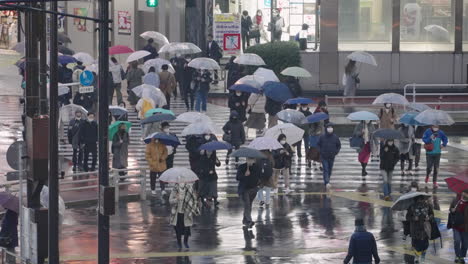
[(208, 153), (367, 121), (250, 162), (435, 129), (330, 129), (78, 117), (304, 108), (207, 137), (388, 105), (238, 93), (282, 142), (90, 119), (166, 130), (189, 60), (414, 189), (390, 143)]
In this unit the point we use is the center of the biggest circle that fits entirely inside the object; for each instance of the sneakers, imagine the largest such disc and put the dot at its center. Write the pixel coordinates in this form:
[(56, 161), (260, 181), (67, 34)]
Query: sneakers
[(427, 179), (460, 260), (153, 192), (163, 192), (435, 185), (261, 204), (328, 186)]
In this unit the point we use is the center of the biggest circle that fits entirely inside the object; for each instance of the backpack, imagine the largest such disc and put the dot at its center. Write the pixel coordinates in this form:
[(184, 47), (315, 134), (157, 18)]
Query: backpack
[(266, 169), (145, 107)]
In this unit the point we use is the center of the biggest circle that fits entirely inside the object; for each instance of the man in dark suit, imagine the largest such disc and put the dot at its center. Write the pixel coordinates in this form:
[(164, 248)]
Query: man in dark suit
[(213, 51), (75, 140), (89, 137)]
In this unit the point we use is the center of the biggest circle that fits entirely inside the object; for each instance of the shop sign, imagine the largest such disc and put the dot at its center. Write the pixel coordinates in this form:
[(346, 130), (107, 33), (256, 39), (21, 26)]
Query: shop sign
[(267, 3), (125, 23), (226, 31)]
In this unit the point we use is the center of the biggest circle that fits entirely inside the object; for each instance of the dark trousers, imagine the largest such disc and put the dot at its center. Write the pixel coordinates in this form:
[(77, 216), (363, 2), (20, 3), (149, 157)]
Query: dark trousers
[(460, 243), (230, 151), (306, 146), (417, 153), (327, 165), (90, 149), (153, 177), (245, 40), (420, 245), (248, 196), (403, 158), (433, 163), (77, 157), (188, 95), (168, 101), (170, 161)]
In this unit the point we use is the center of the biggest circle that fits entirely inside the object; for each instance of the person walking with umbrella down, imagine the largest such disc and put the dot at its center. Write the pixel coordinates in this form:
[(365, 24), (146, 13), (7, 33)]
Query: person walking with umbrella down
[(120, 143), (248, 176), (389, 156), (420, 214), (234, 133), (134, 79), (283, 160), (434, 141), (74, 138), (208, 184), (362, 245), (405, 147), (458, 221), (156, 155), (329, 146)]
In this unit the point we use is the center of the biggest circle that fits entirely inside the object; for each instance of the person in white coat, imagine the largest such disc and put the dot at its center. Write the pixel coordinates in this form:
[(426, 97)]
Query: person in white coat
[(118, 74)]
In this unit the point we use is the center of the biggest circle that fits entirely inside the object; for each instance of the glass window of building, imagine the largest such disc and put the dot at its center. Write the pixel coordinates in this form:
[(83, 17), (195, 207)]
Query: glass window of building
[(465, 25), (365, 23), (426, 25)]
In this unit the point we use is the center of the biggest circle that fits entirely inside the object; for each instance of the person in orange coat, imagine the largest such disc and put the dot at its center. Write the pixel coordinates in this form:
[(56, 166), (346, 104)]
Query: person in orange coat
[(156, 155)]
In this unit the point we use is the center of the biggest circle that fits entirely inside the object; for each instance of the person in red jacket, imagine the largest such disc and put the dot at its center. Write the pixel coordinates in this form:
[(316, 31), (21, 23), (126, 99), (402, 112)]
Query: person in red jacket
[(459, 223)]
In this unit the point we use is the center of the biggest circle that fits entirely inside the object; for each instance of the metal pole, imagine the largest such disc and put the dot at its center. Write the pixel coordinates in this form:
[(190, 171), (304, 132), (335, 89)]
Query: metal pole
[(103, 106), (54, 255), (43, 62), (272, 10)]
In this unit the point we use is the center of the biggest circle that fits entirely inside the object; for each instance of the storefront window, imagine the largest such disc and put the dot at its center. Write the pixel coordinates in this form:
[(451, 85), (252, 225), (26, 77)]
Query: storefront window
[(8, 29), (426, 25), (367, 22)]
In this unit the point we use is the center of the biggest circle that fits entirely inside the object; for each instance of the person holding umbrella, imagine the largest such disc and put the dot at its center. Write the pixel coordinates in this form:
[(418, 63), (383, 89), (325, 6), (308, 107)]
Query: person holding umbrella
[(237, 102), (151, 49), (329, 146), (156, 155), (434, 141), (306, 111), (364, 130), (350, 80), (458, 222), (256, 110), (387, 116), (167, 83), (208, 184), (272, 108), (418, 134), (405, 145), (120, 142), (234, 133), (204, 80), (248, 176), (171, 150), (266, 180), (389, 156), (283, 160), (419, 215), (134, 79), (322, 108)]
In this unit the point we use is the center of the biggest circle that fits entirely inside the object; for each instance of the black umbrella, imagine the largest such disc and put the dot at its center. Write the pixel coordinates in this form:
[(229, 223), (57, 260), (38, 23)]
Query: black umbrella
[(248, 153), (63, 38), (386, 133), (65, 51)]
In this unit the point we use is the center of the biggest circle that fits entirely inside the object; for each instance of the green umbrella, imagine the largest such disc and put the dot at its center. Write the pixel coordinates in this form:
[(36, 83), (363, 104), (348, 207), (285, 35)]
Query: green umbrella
[(158, 110), (114, 128)]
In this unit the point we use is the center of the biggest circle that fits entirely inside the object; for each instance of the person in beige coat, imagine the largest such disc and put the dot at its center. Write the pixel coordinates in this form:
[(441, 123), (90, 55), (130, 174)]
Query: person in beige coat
[(387, 117), (167, 83), (156, 155)]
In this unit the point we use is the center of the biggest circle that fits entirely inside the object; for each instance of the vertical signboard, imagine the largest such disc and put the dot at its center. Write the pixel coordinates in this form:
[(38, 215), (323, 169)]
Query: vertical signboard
[(226, 31)]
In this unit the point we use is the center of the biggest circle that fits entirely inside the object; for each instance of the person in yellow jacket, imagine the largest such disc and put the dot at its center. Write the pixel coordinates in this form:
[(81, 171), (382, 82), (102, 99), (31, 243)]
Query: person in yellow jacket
[(156, 155)]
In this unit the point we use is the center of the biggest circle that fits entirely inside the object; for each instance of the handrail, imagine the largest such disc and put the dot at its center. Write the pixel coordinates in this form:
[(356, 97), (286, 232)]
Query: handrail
[(414, 85)]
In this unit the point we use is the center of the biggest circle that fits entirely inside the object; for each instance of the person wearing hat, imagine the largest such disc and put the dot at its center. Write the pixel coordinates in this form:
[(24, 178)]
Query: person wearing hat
[(329, 146), (362, 245)]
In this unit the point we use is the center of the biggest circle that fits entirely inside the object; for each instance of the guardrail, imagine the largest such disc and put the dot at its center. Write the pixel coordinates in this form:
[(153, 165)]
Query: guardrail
[(9, 257)]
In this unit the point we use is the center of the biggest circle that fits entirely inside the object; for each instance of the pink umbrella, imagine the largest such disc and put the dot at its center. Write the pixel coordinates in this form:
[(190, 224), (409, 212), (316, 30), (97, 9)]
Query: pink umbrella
[(120, 49)]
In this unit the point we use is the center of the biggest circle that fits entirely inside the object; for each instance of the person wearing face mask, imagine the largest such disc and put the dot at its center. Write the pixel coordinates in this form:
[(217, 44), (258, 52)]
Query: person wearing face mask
[(458, 222), (364, 130), (202, 93), (257, 30), (387, 117), (322, 108), (305, 110), (120, 144), (266, 166), (246, 25), (238, 102), (248, 176), (188, 93), (193, 142), (434, 141), (234, 133), (329, 146), (418, 134), (89, 137), (171, 150), (74, 138), (405, 144), (208, 183), (389, 156), (283, 160), (256, 110), (156, 155)]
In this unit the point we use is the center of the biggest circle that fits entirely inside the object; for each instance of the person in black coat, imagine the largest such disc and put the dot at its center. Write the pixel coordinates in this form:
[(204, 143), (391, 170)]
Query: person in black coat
[(294, 86), (74, 138), (329, 146), (418, 135), (246, 25), (193, 143), (188, 93), (84, 100), (234, 133), (89, 137), (389, 157), (151, 49), (248, 176), (171, 150), (272, 108), (9, 230), (214, 52), (283, 161), (306, 111), (238, 102), (233, 69), (208, 183)]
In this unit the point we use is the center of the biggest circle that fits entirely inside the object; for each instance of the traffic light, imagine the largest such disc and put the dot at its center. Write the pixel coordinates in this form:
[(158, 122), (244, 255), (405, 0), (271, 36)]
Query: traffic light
[(152, 3)]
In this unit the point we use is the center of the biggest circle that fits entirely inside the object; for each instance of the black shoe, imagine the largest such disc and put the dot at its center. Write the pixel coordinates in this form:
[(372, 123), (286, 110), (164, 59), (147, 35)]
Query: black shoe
[(309, 164), (74, 168), (186, 245), (364, 173), (179, 245), (251, 224), (227, 161)]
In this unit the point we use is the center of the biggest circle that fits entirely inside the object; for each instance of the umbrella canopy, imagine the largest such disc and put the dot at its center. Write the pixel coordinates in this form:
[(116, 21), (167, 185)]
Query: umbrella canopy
[(65, 50), (299, 100), (19, 47), (21, 63), (204, 64), (180, 48), (166, 139), (114, 128), (297, 72), (67, 112), (317, 117), (250, 59), (156, 36), (62, 90), (137, 55), (158, 110), (178, 175), (265, 143), (291, 116), (406, 200), (61, 37), (458, 183), (201, 128), (435, 117), (120, 49), (244, 88), (386, 133), (65, 59), (117, 110), (215, 145), (391, 98), (265, 75), (408, 118), (157, 118), (438, 32), (149, 91), (363, 57), (157, 64), (254, 81), (248, 153), (9, 201), (277, 91), (193, 117), (362, 115), (292, 132), (419, 107), (84, 57)]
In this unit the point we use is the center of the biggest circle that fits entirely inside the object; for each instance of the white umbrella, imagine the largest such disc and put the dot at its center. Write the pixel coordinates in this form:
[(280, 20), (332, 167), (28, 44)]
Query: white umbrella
[(137, 55), (435, 117), (84, 57), (391, 98), (204, 64), (252, 80), (363, 57), (265, 75), (297, 72), (156, 36), (438, 32), (292, 132), (178, 175), (201, 128), (193, 117), (150, 91), (180, 48), (406, 200), (93, 68), (157, 64), (265, 143), (250, 59)]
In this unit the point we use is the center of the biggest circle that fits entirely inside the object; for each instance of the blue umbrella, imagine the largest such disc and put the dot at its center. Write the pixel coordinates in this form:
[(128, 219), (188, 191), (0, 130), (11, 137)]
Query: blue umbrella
[(387, 133), (419, 107), (362, 115), (166, 139), (317, 117), (408, 118), (244, 88), (277, 91), (158, 118), (300, 100), (65, 59), (215, 145)]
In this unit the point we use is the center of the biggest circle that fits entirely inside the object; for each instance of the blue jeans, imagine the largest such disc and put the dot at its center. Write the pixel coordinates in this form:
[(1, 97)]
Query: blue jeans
[(267, 194), (460, 243), (387, 182), (327, 165), (201, 99)]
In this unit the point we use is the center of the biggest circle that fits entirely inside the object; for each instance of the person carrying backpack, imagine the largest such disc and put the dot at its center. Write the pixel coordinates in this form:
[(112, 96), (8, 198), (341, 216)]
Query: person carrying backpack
[(419, 216), (458, 222), (266, 180)]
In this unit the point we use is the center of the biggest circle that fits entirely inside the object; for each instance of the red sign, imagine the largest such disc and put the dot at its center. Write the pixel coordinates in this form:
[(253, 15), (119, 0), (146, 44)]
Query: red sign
[(232, 42), (124, 20)]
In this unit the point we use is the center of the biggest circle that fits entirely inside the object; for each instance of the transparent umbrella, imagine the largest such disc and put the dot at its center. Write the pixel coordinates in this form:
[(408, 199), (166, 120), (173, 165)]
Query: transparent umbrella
[(391, 98), (293, 133), (250, 59), (204, 64), (156, 36), (266, 75), (435, 117), (137, 55)]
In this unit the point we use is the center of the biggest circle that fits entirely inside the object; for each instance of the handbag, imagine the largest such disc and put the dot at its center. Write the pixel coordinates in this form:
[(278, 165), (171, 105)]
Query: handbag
[(227, 137), (123, 75), (356, 142), (254, 33), (429, 146), (455, 219), (270, 26)]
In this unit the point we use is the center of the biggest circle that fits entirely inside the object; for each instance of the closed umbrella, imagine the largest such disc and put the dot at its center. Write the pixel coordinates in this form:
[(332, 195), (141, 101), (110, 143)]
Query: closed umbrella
[(215, 145), (201, 128), (114, 128), (265, 143), (386, 133), (137, 55), (247, 153), (363, 57), (166, 139), (254, 81), (277, 91), (84, 57), (204, 64), (180, 48), (249, 59), (292, 132), (9, 201), (297, 72), (391, 98), (363, 115), (435, 117), (408, 118), (244, 88), (458, 183), (266, 75), (120, 49), (193, 117), (406, 200), (317, 117), (157, 118), (117, 110), (419, 107), (156, 36), (438, 32), (65, 59), (158, 110), (157, 64), (178, 175), (299, 100), (291, 116)]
